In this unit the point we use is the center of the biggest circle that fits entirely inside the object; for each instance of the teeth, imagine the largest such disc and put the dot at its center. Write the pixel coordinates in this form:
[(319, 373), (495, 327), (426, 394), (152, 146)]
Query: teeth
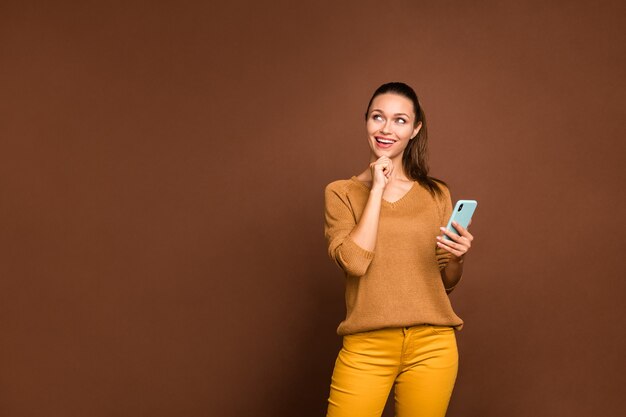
[(385, 141)]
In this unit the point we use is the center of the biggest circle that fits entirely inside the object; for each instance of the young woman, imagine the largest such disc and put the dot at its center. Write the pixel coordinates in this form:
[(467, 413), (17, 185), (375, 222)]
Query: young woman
[(384, 229)]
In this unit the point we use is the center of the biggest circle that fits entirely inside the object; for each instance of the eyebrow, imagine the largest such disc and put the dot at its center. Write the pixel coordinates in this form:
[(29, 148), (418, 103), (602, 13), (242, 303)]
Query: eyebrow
[(396, 114)]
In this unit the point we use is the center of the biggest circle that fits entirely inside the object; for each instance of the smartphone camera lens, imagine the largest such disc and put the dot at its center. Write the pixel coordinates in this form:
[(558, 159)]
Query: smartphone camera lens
[(460, 207)]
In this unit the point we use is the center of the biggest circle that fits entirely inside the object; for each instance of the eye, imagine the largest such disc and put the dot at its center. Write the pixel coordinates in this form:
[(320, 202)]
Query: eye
[(401, 121), (377, 117)]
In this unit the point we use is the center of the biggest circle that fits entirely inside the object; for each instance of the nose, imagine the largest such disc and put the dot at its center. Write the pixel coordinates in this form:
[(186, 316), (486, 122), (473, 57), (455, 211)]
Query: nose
[(385, 128)]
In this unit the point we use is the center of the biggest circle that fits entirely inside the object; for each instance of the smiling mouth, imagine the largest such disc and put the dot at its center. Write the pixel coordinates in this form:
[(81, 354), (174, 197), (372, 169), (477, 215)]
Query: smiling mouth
[(384, 141)]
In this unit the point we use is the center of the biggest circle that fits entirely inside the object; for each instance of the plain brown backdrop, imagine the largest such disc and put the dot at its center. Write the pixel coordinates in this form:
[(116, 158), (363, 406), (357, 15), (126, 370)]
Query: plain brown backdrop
[(162, 167)]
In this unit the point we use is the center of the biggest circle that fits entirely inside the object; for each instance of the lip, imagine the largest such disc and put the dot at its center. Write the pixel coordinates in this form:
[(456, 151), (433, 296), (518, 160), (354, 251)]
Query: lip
[(384, 145)]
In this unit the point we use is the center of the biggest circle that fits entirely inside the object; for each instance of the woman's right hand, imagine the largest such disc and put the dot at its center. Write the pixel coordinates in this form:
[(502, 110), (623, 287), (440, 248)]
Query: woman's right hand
[(381, 172)]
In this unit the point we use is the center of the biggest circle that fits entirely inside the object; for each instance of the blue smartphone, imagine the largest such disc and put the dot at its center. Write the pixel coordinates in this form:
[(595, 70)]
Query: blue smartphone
[(462, 214)]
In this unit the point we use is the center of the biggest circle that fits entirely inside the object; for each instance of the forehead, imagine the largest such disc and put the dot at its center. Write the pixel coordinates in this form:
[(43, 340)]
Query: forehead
[(392, 103)]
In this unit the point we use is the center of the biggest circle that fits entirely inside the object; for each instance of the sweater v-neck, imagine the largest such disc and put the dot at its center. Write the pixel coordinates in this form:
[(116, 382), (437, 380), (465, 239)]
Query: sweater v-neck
[(391, 204)]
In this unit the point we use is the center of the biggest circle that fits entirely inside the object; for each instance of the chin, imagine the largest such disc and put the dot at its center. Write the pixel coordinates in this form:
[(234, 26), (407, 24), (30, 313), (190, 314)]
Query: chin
[(385, 152)]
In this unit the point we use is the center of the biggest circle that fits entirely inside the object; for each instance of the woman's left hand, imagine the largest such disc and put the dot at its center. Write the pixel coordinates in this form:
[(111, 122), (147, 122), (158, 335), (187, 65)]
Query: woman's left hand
[(459, 244)]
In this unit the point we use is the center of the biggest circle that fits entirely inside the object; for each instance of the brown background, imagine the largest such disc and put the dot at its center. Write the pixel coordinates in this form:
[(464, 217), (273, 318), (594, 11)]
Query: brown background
[(162, 170)]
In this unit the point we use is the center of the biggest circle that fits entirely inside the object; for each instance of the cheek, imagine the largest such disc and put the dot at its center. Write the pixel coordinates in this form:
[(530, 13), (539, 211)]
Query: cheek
[(406, 132)]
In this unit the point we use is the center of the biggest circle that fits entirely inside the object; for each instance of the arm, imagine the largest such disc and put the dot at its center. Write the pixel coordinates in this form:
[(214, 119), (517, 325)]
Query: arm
[(458, 248), (352, 244), (366, 231), (451, 253), (451, 274), (339, 223)]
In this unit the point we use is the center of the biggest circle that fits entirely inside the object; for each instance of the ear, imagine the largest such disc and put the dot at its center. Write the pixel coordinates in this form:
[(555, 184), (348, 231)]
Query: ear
[(416, 130)]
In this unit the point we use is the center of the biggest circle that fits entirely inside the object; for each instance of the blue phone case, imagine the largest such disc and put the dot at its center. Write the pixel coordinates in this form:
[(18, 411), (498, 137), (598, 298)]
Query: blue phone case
[(462, 213)]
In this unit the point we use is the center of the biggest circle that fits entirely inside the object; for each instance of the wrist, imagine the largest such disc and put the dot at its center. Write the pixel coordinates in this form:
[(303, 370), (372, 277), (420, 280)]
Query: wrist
[(377, 190), (457, 259)]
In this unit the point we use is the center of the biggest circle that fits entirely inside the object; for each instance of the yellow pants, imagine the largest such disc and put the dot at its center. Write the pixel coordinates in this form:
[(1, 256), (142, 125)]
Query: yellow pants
[(421, 361)]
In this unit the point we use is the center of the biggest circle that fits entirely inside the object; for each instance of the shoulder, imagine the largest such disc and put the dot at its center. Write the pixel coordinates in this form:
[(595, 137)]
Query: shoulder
[(341, 187), (345, 193), (442, 198), (440, 183), (443, 187)]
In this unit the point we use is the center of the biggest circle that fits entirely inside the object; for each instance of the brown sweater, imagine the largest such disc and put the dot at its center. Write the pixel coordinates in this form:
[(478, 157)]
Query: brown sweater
[(399, 284)]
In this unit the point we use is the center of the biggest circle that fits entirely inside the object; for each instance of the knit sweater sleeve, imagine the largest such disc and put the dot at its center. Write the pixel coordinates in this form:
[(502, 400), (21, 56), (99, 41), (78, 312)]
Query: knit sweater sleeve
[(445, 210), (339, 222)]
